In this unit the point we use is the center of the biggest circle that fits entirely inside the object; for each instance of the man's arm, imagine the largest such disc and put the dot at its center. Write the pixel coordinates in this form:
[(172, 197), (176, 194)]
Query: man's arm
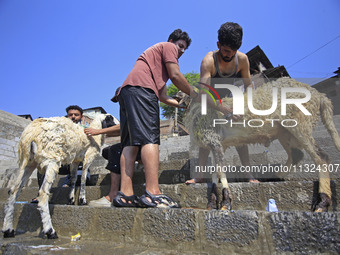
[(110, 131), (207, 70), (245, 71), (178, 78)]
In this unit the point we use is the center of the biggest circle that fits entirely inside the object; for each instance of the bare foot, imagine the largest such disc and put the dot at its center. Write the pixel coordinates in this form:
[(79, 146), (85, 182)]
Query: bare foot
[(194, 180), (254, 181)]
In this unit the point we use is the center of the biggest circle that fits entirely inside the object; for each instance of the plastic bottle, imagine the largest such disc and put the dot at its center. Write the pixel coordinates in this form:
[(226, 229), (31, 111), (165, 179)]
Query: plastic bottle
[(271, 206)]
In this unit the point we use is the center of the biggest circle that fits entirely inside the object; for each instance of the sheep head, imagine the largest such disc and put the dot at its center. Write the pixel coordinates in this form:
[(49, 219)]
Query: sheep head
[(99, 122)]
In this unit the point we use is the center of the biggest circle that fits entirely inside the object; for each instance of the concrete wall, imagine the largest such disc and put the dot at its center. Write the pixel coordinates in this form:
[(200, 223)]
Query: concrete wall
[(11, 127)]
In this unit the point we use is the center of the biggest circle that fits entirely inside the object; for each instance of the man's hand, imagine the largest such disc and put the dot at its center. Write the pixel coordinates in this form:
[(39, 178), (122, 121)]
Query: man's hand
[(225, 110), (91, 131)]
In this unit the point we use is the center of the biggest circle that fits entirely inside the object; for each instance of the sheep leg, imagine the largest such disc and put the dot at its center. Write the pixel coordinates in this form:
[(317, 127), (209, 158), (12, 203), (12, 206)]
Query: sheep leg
[(295, 155), (325, 192), (14, 192), (213, 200), (321, 160), (288, 142), (226, 193), (50, 175), (73, 172), (218, 152), (89, 157), (243, 153), (82, 193)]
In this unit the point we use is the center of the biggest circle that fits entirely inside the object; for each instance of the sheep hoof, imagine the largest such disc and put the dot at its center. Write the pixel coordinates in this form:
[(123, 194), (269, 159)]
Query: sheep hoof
[(212, 205), (82, 201), (71, 202), (8, 233), (213, 201), (324, 203), (51, 235), (226, 200)]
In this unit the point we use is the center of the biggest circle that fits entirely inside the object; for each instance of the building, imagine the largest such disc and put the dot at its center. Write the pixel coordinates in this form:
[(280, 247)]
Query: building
[(26, 116), (169, 127), (261, 69)]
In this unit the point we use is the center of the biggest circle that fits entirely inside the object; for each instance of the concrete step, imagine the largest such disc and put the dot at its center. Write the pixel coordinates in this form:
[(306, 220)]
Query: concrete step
[(178, 171), (174, 231), (171, 171), (289, 196)]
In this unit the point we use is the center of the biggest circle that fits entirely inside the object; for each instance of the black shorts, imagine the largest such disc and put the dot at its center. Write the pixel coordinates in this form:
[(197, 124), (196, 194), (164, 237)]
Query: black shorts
[(112, 154), (139, 116)]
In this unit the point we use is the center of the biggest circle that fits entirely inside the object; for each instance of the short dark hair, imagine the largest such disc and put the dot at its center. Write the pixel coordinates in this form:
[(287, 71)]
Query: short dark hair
[(178, 34), (230, 34), (74, 107)]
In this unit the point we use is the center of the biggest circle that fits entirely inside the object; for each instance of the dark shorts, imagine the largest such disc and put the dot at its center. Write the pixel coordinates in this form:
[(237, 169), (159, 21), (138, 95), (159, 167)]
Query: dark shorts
[(139, 116), (112, 154)]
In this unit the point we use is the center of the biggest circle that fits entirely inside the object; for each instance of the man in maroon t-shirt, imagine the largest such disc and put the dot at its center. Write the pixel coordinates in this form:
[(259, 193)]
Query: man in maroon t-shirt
[(139, 116)]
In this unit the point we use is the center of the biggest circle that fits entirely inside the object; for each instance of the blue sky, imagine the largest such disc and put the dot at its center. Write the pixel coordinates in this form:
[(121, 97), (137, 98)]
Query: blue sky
[(54, 53)]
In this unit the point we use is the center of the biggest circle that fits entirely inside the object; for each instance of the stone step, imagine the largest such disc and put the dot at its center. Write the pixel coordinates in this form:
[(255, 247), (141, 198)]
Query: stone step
[(289, 196), (100, 175), (173, 231)]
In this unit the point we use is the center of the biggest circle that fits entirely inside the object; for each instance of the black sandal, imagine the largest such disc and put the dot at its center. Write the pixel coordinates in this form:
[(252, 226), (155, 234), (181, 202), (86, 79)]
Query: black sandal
[(160, 201), (130, 201)]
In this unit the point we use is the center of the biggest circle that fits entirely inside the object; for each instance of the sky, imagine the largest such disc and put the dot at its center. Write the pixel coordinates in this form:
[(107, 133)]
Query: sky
[(56, 53)]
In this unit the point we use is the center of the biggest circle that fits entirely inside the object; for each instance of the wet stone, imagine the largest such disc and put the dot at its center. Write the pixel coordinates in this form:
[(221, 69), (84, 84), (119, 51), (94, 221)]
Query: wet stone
[(170, 224), (306, 232), (116, 219), (239, 228)]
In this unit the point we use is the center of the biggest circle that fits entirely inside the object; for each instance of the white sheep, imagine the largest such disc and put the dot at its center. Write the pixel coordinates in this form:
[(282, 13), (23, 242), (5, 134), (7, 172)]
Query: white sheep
[(293, 139), (46, 144)]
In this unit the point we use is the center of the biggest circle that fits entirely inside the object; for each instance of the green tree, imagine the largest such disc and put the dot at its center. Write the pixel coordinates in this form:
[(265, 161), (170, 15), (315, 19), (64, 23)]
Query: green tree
[(168, 111)]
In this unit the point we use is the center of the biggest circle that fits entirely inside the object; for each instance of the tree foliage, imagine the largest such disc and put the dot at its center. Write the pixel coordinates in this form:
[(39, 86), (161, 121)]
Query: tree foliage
[(168, 111)]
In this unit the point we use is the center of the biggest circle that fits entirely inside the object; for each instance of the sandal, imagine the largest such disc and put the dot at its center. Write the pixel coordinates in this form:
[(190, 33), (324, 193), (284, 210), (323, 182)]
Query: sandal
[(159, 201), (130, 201)]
